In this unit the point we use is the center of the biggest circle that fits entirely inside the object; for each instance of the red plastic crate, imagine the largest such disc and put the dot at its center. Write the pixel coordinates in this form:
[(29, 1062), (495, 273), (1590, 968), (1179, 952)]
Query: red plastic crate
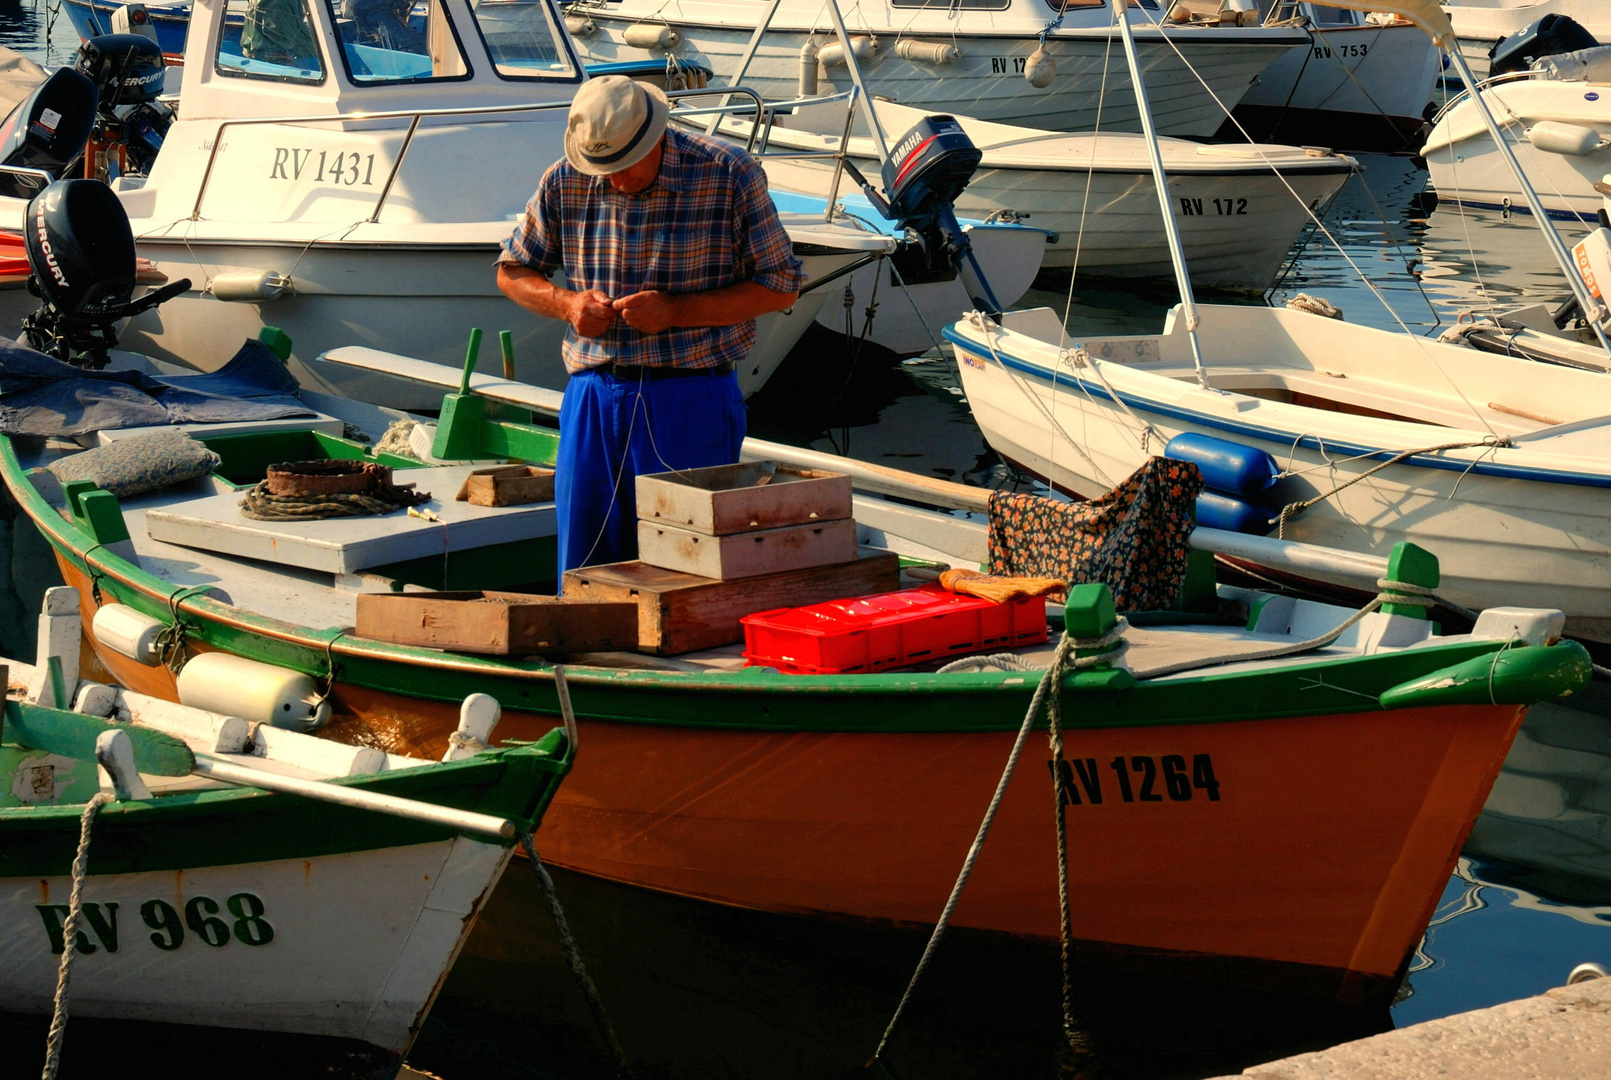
[(888, 630)]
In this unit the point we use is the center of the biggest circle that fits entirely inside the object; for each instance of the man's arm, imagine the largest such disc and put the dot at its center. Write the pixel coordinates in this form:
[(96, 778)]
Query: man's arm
[(589, 312), (652, 312)]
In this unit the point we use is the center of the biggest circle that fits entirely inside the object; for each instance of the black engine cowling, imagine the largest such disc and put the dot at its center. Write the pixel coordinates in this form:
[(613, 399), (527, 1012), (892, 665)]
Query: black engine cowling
[(81, 254), (47, 131), (1550, 35), (127, 69)]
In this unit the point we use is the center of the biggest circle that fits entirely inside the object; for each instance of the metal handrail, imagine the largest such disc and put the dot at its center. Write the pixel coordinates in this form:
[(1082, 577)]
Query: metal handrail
[(415, 115), (761, 112), (1509, 76)]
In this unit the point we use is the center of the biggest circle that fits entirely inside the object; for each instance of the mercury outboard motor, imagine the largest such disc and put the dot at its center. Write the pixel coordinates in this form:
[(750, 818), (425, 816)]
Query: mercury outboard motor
[(47, 132), (81, 254), (128, 72), (925, 172)]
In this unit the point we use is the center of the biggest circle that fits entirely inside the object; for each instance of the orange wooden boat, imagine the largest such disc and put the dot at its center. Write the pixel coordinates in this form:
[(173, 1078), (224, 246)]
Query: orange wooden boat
[(1286, 824)]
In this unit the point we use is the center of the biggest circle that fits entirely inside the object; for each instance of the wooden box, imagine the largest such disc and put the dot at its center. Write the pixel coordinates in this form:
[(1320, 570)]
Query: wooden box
[(681, 613), (727, 499), (502, 624), (508, 485), (747, 554)]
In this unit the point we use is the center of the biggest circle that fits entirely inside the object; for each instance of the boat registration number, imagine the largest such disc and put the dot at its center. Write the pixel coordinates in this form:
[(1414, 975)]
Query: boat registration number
[(240, 918), (1137, 778), (1008, 65), (1212, 207), (345, 168)]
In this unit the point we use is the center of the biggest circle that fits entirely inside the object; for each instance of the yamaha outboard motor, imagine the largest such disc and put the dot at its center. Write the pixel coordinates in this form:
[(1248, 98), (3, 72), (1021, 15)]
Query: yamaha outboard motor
[(925, 172), (1550, 35), (47, 132), (128, 72), (81, 254)]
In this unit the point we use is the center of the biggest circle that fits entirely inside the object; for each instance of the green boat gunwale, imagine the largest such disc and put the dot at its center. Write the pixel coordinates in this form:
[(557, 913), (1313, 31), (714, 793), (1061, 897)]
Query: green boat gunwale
[(1108, 698)]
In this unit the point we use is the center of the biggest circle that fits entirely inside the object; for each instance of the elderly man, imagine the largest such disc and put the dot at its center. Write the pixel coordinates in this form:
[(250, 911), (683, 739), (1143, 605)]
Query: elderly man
[(671, 248)]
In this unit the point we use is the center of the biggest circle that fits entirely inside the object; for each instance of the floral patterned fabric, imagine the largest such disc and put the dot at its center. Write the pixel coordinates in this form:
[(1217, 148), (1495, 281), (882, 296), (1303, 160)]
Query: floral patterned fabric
[(139, 463), (1133, 539)]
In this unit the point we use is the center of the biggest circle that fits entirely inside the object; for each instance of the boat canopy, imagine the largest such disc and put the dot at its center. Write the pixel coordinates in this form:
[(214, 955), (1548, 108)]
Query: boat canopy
[(1427, 14)]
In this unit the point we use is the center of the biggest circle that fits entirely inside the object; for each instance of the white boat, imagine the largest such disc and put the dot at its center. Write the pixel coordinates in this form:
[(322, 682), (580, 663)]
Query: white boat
[(1095, 193), (231, 884), (964, 58), (1498, 463), (1362, 84), (283, 207), (1482, 24), (1560, 130)]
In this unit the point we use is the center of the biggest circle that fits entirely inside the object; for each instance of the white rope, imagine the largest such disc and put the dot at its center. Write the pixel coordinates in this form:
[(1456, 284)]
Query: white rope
[(75, 908)]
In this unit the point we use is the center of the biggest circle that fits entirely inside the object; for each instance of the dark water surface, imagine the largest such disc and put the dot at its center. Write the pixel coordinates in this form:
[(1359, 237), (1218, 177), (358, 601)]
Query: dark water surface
[(698, 991)]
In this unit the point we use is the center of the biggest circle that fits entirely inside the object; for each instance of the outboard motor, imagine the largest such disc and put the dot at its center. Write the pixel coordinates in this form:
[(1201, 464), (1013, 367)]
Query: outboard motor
[(1550, 35), (128, 71), (48, 132), (925, 172), (81, 254)]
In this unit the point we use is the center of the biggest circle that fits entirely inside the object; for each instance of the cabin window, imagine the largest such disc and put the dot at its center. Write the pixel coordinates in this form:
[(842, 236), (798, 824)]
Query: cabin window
[(1081, 5), (270, 39), (390, 41), (954, 5), (524, 40)]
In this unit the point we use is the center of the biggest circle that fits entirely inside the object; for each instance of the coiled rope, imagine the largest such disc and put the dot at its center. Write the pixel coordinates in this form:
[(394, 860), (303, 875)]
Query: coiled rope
[(573, 956), (75, 909), (260, 505)]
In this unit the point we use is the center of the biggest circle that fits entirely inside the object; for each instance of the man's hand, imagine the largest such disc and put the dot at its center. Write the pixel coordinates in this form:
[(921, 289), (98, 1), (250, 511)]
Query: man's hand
[(649, 312), (591, 313)]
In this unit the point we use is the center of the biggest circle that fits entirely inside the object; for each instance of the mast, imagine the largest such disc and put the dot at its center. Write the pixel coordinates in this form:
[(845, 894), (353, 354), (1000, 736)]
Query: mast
[(1177, 255)]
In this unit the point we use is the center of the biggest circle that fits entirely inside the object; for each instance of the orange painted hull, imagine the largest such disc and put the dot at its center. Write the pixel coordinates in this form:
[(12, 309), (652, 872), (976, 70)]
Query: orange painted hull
[(1314, 871)]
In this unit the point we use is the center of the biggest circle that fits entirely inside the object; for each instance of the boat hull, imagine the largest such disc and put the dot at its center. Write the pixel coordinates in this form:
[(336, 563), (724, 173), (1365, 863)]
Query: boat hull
[(1313, 872), (1092, 87), (408, 299), (1354, 88), (1237, 226), (1552, 538), (1467, 168)]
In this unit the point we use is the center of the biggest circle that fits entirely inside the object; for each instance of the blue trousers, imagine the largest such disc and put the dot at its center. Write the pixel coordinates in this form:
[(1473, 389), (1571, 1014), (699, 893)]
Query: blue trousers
[(610, 430)]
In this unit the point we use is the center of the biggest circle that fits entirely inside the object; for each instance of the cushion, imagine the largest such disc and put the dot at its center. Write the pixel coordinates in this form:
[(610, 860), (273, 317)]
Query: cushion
[(140, 463)]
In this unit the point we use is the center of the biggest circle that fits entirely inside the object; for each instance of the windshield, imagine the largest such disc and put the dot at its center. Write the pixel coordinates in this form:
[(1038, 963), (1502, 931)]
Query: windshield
[(397, 40), (269, 39), (524, 39)]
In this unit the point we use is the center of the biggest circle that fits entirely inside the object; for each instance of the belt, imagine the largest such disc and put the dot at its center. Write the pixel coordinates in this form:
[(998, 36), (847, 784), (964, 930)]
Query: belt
[(633, 373)]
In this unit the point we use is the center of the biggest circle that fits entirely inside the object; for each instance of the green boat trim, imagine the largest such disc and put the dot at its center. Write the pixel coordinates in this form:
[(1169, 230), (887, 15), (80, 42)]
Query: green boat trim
[(218, 827), (753, 698)]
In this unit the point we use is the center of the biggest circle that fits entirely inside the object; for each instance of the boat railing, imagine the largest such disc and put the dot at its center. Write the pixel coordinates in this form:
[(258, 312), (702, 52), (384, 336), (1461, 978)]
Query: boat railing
[(41, 179), (1509, 76), (766, 114)]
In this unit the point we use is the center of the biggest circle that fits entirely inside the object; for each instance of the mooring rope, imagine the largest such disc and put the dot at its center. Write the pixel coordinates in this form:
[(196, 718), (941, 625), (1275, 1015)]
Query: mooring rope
[(1292, 509), (1063, 660), (75, 908), (573, 956)]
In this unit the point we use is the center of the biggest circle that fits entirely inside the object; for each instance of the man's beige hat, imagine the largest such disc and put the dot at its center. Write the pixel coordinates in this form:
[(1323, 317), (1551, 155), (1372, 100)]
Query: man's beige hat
[(614, 123)]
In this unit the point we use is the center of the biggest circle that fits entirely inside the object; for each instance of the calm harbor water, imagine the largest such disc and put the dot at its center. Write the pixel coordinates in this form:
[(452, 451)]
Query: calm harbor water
[(697, 991)]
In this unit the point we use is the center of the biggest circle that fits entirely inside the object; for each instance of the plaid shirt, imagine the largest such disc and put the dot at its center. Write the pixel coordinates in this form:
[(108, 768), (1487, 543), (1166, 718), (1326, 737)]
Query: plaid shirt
[(706, 223)]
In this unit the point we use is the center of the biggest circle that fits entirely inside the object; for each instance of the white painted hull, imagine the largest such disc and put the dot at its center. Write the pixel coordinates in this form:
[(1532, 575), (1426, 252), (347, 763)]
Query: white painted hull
[(1237, 226), (360, 942), (1466, 166), (1500, 539), (908, 321), (1369, 70), (986, 80), (404, 300)]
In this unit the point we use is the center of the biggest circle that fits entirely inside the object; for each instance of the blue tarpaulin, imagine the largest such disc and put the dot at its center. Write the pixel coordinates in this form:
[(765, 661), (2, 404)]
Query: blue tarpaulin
[(43, 396)]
